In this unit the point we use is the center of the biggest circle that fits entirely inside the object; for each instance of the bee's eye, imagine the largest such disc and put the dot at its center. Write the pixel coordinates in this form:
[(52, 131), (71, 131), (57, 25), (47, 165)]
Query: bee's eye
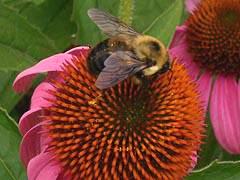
[(154, 46)]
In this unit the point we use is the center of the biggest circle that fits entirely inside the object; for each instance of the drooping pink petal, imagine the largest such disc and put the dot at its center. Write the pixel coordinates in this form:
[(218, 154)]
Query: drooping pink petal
[(204, 84), (33, 142), (224, 111), (191, 5), (50, 64), (40, 95), (43, 167), (53, 63), (31, 145), (29, 119), (38, 100)]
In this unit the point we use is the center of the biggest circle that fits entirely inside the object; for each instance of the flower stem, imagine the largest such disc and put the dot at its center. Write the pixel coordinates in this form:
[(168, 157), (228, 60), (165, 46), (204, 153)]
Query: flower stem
[(126, 10)]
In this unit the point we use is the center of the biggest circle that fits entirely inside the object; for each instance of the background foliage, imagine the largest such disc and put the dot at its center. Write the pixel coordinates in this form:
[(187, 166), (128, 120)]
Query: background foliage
[(34, 29)]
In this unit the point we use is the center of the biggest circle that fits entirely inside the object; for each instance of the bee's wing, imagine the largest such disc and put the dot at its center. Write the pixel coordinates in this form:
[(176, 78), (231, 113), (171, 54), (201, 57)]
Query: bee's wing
[(109, 24), (119, 66)]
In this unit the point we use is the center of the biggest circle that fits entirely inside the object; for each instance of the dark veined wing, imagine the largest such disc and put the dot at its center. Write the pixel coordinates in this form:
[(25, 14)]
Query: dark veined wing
[(109, 24), (119, 66)]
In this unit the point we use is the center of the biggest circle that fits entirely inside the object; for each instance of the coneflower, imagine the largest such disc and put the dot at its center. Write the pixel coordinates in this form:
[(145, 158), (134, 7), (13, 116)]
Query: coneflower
[(76, 131), (209, 44)]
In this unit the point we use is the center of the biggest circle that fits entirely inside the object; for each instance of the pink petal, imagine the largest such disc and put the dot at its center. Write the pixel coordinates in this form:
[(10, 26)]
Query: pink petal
[(78, 51), (178, 37), (53, 63), (43, 167), (185, 58), (50, 64), (224, 111), (204, 84), (40, 95), (178, 49), (29, 119), (194, 157), (191, 4), (31, 146)]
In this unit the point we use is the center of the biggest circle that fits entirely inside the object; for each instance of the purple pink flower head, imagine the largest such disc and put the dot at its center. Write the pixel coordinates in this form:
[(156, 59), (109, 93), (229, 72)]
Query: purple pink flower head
[(209, 45), (74, 130)]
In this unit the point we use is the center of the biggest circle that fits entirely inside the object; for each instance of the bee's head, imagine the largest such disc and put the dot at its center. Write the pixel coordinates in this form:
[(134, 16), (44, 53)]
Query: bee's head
[(165, 67), (153, 51)]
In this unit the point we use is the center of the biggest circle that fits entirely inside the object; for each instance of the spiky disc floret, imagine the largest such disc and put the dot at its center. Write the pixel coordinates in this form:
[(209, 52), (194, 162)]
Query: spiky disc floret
[(125, 132), (213, 36)]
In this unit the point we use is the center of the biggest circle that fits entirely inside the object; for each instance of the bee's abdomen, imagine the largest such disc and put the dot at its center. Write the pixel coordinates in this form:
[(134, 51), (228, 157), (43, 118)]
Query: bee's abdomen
[(97, 56)]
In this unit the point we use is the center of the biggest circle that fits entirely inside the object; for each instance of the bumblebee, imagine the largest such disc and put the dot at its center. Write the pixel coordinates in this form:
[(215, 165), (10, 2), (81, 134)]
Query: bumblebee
[(126, 53)]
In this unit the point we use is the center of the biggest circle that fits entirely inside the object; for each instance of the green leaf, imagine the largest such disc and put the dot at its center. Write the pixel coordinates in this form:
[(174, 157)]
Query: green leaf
[(161, 22), (87, 32), (145, 12), (38, 1), (164, 25), (219, 171), (10, 165), (21, 44), (53, 18), (8, 97), (225, 156), (19, 3)]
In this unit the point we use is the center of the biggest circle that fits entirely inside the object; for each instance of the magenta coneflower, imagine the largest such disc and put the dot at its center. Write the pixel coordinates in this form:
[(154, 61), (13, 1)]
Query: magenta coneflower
[(75, 131), (209, 44)]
